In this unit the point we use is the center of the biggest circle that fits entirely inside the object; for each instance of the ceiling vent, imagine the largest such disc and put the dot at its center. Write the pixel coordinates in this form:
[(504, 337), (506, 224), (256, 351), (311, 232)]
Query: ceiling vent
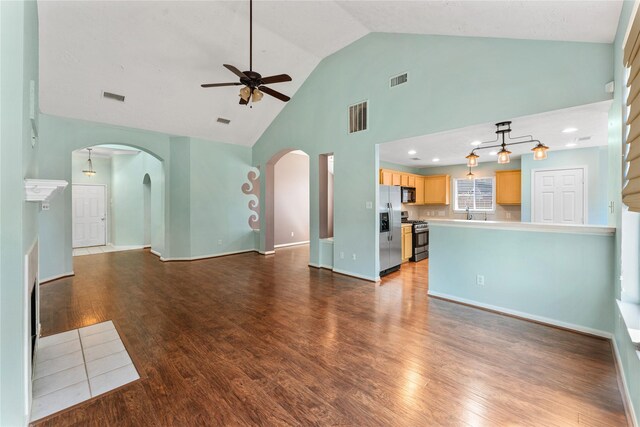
[(584, 138), (114, 96), (358, 117), (398, 80), (416, 158), (223, 121)]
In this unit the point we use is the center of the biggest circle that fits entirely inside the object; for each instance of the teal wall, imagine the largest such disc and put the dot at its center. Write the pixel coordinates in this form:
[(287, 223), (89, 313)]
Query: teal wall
[(397, 167), (546, 277), (454, 82), (18, 219), (596, 160), (617, 138)]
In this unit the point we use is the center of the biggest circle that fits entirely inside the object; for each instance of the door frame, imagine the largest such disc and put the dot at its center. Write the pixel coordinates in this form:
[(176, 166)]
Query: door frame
[(107, 209), (585, 189)]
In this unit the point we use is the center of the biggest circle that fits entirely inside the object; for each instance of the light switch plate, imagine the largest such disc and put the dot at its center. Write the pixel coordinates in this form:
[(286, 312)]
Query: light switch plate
[(369, 205)]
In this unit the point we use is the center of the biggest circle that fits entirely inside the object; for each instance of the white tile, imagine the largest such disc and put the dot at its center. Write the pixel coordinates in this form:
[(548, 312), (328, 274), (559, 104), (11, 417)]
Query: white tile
[(113, 379), (58, 338), (97, 328), (59, 380), (108, 363), (59, 400), (99, 338), (53, 351), (58, 364), (102, 350)]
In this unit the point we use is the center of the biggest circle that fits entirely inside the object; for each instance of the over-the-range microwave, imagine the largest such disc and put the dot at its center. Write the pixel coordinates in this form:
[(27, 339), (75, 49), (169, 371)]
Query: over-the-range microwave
[(408, 195)]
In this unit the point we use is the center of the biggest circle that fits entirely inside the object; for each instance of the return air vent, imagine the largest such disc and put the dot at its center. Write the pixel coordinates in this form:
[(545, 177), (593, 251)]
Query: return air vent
[(358, 117), (584, 138), (398, 80), (223, 121), (114, 96), (416, 158)]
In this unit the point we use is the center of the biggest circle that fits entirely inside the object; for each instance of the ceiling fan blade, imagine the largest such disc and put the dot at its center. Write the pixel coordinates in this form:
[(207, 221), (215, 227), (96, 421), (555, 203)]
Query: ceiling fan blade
[(274, 93), (276, 79), (235, 71), (243, 102), (220, 84)]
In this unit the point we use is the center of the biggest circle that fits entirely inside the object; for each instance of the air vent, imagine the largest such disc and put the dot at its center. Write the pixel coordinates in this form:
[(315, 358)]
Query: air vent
[(584, 138), (358, 117), (416, 158), (398, 80), (114, 96), (223, 121)]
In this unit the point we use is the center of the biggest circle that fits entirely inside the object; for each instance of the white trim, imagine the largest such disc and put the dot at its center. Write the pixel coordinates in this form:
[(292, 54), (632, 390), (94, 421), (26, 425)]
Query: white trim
[(326, 267), (195, 258), (56, 277), (266, 252), (357, 276), (585, 189), (454, 190), (284, 245), (540, 319), (156, 253), (626, 396), (42, 190), (146, 247), (600, 230)]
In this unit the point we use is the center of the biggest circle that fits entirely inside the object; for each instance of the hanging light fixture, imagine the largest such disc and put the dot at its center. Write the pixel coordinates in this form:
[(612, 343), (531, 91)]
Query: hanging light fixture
[(504, 128), (89, 170), (245, 93), (257, 95), (470, 175)]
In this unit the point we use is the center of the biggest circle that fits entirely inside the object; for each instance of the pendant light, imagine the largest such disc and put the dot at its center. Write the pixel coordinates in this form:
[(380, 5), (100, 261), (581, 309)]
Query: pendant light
[(89, 170), (540, 151), (470, 174), (472, 159), (503, 156)]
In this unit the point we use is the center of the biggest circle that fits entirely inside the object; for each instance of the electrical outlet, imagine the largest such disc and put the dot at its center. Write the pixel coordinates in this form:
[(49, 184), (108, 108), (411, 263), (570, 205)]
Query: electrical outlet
[(292, 234), (341, 255), (354, 257), (219, 242), (45, 206), (369, 205), (480, 280)]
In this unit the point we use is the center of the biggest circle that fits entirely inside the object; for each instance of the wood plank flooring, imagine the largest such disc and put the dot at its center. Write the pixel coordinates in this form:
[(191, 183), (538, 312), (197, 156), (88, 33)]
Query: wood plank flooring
[(254, 340)]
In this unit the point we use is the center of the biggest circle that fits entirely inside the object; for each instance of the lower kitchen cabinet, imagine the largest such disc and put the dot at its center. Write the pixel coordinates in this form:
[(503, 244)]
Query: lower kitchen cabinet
[(407, 244)]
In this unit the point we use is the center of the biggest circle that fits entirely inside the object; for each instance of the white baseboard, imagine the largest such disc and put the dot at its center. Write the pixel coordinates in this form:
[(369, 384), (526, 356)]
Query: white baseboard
[(626, 396), (59, 276), (284, 245), (156, 253), (206, 256), (521, 314), (146, 247), (357, 276), (326, 267), (266, 252)]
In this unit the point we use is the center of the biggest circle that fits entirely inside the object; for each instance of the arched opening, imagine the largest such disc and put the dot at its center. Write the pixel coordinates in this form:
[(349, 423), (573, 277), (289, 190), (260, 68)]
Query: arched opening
[(287, 214), (111, 211)]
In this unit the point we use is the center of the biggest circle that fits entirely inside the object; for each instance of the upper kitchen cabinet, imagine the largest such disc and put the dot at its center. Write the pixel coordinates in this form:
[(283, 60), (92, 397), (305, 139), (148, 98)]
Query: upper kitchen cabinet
[(508, 187), (419, 183), (437, 189)]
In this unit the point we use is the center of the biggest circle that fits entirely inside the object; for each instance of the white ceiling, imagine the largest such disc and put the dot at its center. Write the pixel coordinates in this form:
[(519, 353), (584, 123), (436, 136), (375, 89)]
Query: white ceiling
[(107, 151), (451, 147), (158, 53)]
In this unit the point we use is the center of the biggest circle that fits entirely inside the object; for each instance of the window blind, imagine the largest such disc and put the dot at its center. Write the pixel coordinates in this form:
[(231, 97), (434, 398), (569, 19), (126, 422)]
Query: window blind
[(475, 194), (631, 191)]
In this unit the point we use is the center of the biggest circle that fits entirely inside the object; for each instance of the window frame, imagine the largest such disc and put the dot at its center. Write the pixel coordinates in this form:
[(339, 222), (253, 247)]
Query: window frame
[(454, 187)]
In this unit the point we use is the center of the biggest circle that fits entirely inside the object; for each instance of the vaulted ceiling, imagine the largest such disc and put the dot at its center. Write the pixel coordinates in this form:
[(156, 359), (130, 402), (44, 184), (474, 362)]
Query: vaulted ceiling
[(157, 54)]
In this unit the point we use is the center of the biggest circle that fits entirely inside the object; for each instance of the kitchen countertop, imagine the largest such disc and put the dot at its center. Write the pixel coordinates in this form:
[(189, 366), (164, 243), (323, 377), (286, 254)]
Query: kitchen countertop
[(525, 226)]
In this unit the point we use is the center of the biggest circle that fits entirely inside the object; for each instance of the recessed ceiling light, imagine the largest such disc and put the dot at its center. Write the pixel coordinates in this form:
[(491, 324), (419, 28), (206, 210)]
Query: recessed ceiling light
[(493, 153), (569, 130), (476, 143), (435, 159), (571, 144), (412, 152)]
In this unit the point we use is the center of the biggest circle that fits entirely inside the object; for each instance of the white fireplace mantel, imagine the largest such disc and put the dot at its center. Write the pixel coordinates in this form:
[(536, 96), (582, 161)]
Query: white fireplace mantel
[(42, 190)]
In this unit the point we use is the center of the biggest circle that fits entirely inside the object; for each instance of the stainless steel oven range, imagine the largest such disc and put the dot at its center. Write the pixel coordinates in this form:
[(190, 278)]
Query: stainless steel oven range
[(420, 233)]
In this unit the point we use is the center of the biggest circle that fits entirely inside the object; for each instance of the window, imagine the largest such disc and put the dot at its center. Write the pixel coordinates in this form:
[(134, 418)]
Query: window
[(476, 194), (358, 117)]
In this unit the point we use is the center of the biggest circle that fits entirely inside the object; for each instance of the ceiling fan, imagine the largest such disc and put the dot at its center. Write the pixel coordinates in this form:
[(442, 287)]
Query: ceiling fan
[(253, 83)]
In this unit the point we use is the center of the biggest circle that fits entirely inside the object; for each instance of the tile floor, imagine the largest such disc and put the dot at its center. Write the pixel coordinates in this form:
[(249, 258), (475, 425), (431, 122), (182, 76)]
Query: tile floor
[(92, 250), (77, 365)]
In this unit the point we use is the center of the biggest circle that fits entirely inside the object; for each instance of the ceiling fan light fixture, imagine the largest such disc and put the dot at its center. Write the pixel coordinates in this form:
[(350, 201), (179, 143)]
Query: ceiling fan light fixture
[(257, 95), (503, 156), (540, 151), (245, 93)]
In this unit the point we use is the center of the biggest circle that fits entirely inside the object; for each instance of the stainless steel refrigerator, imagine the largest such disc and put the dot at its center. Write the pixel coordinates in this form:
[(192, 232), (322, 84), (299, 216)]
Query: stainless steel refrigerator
[(390, 229)]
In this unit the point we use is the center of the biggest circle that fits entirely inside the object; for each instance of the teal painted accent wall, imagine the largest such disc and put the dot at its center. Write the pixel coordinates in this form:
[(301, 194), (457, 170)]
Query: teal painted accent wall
[(18, 219), (454, 82), (596, 161), (629, 358), (540, 274)]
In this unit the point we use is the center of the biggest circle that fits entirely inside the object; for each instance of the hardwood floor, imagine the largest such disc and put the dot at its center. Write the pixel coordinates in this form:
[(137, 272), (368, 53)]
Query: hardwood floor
[(254, 340)]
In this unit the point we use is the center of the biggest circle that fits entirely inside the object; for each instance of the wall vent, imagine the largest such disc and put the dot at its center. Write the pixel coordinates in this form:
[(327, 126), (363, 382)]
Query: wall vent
[(416, 158), (584, 138), (114, 96), (398, 80), (223, 121), (358, 117)]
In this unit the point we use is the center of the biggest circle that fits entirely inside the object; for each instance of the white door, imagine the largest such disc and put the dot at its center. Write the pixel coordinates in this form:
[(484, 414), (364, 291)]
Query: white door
[(558, 196), (89, 221)]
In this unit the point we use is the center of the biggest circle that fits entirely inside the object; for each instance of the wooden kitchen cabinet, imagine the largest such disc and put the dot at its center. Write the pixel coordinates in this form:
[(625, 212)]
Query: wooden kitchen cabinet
[(419, 190), (508, 187), (404, 180), (396, 178), (412, 181), (407, 243), (386, 177), (437, 189)]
